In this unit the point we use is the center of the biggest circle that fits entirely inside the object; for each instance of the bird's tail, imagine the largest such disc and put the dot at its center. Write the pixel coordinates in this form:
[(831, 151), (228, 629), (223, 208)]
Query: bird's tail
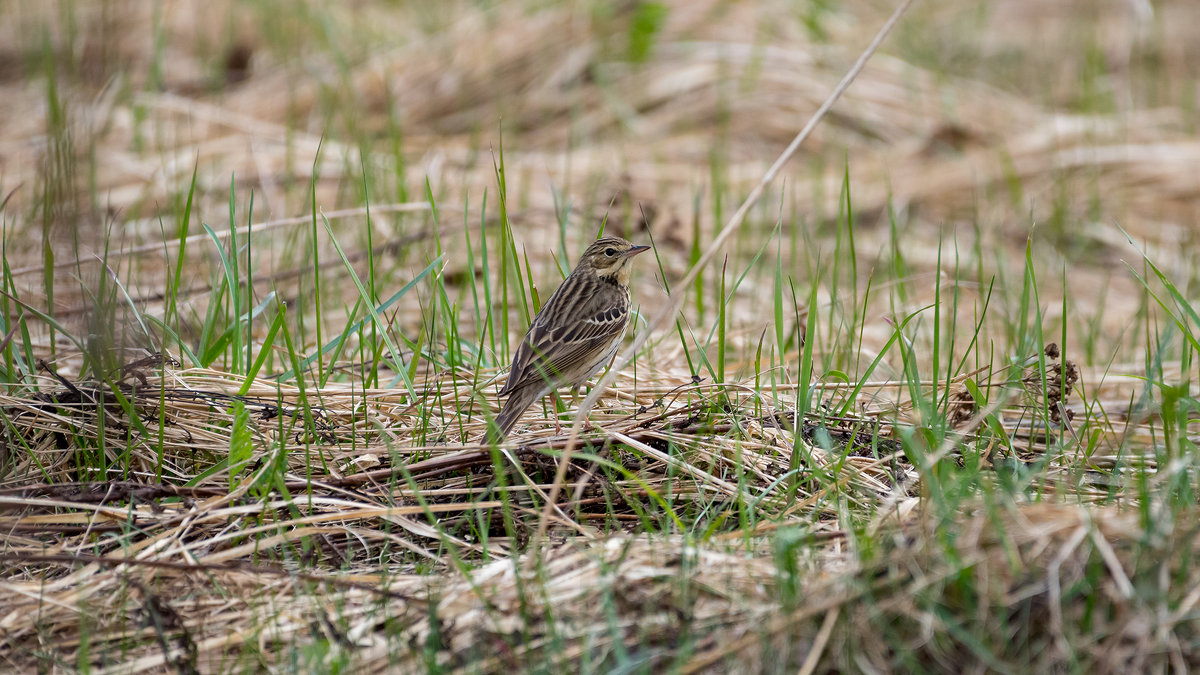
[(516, 405)]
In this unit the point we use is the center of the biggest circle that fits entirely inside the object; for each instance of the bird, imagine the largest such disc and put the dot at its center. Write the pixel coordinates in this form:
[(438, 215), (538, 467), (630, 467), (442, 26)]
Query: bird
[(576, 333)]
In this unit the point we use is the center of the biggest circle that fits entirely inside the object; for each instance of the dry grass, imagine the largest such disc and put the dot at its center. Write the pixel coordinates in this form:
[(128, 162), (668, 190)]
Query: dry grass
[(367, 531)]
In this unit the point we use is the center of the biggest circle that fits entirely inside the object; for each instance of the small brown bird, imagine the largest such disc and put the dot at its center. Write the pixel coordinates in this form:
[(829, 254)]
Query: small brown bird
[(577, 331)]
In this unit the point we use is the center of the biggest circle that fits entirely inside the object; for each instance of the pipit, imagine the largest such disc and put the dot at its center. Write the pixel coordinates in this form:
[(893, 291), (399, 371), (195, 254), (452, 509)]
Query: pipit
[(576, 333)]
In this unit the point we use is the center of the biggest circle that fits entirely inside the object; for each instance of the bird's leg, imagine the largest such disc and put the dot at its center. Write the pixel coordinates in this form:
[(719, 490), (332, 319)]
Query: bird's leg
[(557, 418), (558, 404), (587, 422)]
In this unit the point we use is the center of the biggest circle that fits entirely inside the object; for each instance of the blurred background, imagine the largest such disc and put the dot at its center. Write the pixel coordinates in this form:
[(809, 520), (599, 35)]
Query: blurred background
[(978, 124)]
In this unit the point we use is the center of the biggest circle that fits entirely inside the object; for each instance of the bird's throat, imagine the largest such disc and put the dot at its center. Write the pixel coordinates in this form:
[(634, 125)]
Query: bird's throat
[(621, 277)]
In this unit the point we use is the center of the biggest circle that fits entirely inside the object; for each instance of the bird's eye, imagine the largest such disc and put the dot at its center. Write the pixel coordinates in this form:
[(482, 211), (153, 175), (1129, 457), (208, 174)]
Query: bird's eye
[(610, 252)]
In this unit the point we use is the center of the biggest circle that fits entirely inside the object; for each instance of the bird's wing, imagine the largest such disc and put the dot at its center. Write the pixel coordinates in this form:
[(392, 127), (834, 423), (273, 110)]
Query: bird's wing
[(562, 339)]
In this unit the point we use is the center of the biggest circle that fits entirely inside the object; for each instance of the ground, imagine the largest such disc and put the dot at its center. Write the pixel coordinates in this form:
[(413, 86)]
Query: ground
[(930, 405)]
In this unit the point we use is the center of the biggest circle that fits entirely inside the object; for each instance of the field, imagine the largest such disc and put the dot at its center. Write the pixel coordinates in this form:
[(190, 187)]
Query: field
[(923, 398)]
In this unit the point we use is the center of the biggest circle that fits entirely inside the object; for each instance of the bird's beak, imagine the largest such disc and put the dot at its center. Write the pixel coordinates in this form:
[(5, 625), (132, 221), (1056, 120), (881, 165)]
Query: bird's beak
[(635, 250)]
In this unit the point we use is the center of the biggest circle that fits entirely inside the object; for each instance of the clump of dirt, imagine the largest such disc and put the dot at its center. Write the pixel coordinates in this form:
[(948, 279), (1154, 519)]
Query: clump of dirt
[(1059, 381)]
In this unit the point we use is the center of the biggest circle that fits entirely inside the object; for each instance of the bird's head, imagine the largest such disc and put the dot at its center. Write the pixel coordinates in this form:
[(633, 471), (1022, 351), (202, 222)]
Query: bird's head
[(609, 257)]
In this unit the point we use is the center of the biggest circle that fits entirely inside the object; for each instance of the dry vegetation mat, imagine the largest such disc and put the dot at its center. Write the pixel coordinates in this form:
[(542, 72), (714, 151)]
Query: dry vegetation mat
[(934, 408)]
